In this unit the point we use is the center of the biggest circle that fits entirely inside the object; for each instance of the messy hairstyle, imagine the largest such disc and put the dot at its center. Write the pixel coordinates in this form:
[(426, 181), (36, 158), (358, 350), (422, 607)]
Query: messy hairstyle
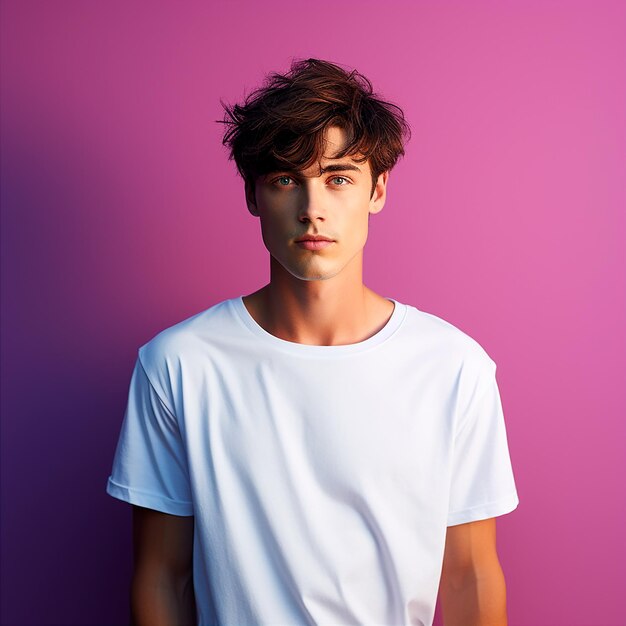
[(281, 125)]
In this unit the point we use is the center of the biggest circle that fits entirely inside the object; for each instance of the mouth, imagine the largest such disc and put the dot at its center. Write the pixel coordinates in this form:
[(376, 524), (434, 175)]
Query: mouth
[(314, 244), (314, 238)]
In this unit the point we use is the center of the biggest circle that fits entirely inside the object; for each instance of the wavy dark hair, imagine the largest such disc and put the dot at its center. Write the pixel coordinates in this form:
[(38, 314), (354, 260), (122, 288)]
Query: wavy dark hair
[(281, 125)]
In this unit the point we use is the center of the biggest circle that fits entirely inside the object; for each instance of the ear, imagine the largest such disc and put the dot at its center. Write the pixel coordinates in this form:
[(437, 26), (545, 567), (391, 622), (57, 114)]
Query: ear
[(251, 197), (377, 201)]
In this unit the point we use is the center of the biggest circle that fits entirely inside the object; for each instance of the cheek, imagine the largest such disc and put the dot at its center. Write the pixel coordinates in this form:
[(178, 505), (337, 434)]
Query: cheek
[(273, 222), (358, 223), (274, 230)]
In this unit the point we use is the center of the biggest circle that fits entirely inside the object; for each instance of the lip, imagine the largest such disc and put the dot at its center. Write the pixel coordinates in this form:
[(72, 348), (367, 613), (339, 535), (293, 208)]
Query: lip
[(313, 238), (314, 244)]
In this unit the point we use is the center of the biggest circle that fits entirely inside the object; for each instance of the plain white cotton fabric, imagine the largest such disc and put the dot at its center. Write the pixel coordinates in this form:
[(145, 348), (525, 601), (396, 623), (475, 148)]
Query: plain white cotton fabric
[(321, 478)]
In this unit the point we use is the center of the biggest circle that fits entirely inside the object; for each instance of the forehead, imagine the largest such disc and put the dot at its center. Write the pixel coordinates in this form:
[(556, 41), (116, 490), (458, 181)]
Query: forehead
[(334, 142)]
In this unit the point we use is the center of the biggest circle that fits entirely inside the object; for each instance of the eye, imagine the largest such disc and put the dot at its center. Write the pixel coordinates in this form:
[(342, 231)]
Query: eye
[(283, 181), (341, 178)]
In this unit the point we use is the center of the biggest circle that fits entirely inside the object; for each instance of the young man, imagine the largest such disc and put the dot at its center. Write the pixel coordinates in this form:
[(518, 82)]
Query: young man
[(314, 452)]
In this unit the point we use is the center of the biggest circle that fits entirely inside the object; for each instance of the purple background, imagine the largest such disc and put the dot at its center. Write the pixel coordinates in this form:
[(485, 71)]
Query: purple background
[(121, 215)]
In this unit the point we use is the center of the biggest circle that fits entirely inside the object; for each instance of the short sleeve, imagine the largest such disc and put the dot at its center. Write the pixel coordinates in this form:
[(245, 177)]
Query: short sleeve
[(150, 462), (482, 484)]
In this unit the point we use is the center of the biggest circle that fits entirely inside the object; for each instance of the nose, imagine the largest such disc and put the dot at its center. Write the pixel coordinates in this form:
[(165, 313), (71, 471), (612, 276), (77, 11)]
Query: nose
[(311, 202)]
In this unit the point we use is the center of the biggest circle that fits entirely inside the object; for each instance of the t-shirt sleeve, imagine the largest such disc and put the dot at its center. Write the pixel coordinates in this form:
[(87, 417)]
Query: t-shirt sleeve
[(482, 484), (150, 462)]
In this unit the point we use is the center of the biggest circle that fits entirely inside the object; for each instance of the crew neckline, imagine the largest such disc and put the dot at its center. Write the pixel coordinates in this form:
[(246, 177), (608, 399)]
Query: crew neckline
[(393, 323)]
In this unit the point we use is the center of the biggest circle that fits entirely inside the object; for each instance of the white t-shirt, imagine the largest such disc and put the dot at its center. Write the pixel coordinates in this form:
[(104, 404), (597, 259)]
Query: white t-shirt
[(321, 478)]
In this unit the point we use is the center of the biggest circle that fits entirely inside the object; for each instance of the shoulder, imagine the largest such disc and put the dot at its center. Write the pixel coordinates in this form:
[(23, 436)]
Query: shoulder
[(442, 338), (464, 364), (163, 356), (175, 340), (450, 355)]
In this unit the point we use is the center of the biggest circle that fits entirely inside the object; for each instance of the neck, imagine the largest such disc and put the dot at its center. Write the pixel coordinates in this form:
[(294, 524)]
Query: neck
[(335, 311)]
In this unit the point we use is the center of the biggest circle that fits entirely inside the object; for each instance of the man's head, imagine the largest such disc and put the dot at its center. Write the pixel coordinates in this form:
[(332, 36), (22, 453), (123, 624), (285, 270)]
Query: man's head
[(282, 125), (315, 148)]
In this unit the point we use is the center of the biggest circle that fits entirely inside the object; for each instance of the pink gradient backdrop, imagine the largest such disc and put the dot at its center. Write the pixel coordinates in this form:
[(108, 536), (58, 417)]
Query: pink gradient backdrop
[(121, 215)]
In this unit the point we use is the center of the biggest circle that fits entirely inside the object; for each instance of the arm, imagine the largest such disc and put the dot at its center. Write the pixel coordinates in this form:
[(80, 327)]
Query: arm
[(472, 590), (162, 585)]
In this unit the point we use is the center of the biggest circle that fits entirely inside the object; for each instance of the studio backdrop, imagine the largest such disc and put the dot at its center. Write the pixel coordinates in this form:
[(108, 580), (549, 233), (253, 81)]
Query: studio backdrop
[(121, 215)]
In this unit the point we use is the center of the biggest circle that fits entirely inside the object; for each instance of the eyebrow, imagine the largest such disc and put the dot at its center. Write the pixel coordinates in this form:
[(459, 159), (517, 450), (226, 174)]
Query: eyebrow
[(339, 167), (333, 167)]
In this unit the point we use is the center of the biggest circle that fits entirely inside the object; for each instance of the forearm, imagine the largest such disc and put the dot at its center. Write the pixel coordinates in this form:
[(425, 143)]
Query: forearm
[(162, 601), (477, 599)]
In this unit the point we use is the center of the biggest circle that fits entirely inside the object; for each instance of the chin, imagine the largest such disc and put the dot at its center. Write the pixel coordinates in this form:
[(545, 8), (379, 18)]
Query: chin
[(311, 269), (309, 278), (311, 275)]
